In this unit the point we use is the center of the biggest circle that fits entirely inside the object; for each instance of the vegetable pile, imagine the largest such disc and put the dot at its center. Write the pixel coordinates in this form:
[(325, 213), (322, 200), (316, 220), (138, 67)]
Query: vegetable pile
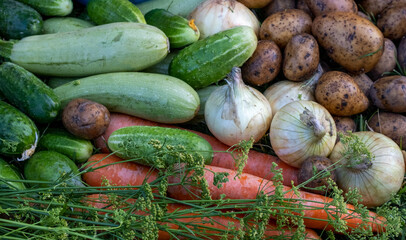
[(202, 119)]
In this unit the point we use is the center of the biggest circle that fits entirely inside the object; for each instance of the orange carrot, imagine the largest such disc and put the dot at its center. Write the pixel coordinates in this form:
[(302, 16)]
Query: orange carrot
[(258, 164), (195, 222), (247, 186)]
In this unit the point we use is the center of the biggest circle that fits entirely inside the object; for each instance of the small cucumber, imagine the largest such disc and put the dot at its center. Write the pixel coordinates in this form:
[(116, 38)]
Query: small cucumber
[(7, 174), (18, 20), (109, 11), (64, 24), (18, 133), (179, 30), (178, 7), (51, 7), (156, 97), (211, 59), (151, 145), (59, 140), (50, 168), (28, 93)]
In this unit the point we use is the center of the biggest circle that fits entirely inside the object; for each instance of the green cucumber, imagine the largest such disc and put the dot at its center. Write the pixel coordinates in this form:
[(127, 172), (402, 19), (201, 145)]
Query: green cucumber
[(7, 174), (156, 97), (28, 93), (114, 47), (18, 133), (59, 140), (64, 24), (204, 94), (18, 20), (158, 146), (50, 168), (163, 66), (54, 82), (51, 7), (109, 11), (211, 59), (179, 30), (178, 7)]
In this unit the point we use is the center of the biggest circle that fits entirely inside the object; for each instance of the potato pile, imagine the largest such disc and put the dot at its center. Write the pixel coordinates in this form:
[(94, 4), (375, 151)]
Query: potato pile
[(361, 48)]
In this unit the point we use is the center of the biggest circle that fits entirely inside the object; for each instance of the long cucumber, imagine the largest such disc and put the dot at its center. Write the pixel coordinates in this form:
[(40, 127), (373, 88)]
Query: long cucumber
[(156, 97), (51, 7), (114, 47)]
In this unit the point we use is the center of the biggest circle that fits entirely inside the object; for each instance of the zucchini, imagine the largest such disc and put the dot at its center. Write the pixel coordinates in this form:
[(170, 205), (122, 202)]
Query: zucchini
[(60, 140), (211, 59), (51, 7), (177, 7), (18, 20), (28, 93), (64, 24), (109, 11), (49, 168), (158, 146), (8, 175), (18, 133), (179, 30), (156, 97), (113, 47), (54, 82)]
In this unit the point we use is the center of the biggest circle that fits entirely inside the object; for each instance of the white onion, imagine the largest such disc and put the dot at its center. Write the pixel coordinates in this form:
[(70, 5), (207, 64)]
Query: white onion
[(236, 112), (213, 16)]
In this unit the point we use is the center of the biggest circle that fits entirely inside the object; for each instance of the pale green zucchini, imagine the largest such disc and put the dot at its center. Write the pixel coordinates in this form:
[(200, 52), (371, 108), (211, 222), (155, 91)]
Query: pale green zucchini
[(156, 97), (51, 7), (114, 47), (178, 7), (64, 24)]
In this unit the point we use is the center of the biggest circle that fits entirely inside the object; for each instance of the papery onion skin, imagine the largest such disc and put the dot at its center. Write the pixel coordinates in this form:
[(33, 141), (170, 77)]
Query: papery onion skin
[(293, 140), (213, 16), (382, 179)]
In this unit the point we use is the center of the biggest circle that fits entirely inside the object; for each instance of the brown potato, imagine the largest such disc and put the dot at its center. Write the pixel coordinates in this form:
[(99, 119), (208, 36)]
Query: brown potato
[(85, 118), (280, 27), (350, 40), (340, 94), (312, 166), (389, 93), (255, 3), (401, 51), (361, 14), (364, 82), (386, 63), (278, 6), (319, 7), (344, 125), (391, 21), (392, 125), (264, 65), (301, 57), (375, 6)]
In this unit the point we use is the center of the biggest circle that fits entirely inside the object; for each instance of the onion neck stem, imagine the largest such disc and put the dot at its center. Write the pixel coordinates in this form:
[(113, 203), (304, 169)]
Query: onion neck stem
[(310, 120)]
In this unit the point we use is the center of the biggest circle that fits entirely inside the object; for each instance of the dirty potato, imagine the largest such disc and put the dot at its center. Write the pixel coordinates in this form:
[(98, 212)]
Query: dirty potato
[(340, 94), (319, 7), (278, 6), (374, 6), (301, 57), (401, 51), (85, 118), (392, 125), (350, 40), (344, 125), (280, 27), (264, 65), (364, 82), (391, 21), (389, 94), (386, 63)]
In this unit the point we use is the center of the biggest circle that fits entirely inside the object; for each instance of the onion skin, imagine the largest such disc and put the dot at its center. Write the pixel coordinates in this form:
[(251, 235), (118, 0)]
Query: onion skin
[(380, 178), (295, 138)]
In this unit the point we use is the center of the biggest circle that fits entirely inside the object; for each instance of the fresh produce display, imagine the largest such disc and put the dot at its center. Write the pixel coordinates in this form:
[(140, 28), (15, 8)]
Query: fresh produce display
[(202, 119)]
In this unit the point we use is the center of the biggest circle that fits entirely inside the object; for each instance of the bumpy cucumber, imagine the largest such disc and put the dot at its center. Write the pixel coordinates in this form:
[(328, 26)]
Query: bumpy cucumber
[(156, 97), (8, 172), (18, 133), (179, 30), (114, 47), (109, 11), (59, 140), (18, 20), (49, 168), (211, 59), (64, 24), (28, 93), (51, 7), (151, 145)]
